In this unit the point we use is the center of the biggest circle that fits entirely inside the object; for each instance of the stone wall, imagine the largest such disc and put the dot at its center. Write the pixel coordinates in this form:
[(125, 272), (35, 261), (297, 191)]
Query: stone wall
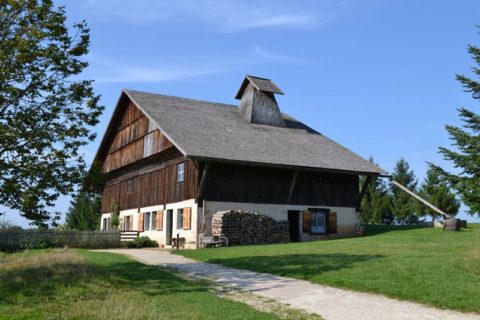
[(245, 227)]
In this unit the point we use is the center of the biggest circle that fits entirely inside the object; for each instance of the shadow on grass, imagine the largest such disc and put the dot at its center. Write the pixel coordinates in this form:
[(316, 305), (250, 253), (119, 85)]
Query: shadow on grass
[(299, 266), (46, 282)]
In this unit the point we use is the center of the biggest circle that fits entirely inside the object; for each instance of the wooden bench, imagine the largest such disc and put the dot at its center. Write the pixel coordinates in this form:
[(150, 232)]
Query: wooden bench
[(213, 241)]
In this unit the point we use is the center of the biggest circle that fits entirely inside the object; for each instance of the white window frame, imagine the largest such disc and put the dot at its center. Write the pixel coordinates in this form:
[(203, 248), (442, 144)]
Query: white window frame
[(180, 219), (180, 172), (153, 218), (127, 222), (148, 220), (316, 226), (106, 224)]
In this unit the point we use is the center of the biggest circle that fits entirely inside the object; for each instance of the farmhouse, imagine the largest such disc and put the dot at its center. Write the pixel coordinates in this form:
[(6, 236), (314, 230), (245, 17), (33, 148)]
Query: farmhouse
[(173, 162)]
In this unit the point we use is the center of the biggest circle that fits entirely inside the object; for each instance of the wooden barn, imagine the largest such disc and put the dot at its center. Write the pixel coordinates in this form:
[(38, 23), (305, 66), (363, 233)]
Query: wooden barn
[(173, 162)]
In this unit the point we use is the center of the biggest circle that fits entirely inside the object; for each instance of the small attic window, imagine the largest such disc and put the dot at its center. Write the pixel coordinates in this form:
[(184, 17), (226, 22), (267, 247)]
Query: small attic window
[(180, 172)]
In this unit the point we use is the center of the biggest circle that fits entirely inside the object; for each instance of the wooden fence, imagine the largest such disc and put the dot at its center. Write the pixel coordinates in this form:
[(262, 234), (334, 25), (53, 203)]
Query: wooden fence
[(36, 239)]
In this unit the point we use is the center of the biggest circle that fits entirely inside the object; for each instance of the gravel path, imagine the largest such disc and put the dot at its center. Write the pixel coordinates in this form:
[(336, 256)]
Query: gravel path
[(330, 303)]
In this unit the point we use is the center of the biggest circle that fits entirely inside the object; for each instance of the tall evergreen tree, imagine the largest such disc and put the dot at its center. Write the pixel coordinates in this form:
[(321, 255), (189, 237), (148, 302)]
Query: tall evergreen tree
[(403, 205), (84, 212), (437, 192), (466, 140), (376, 205)]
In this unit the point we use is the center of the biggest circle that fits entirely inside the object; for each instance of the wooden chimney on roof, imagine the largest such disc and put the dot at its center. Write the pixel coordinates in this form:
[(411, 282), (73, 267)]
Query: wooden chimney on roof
[(257, 101)]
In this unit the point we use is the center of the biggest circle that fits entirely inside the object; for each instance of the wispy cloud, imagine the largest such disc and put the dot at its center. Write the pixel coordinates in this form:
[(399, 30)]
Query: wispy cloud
[(106, 70), (224, 16), (262, 53), (109, 70), (141, 74)]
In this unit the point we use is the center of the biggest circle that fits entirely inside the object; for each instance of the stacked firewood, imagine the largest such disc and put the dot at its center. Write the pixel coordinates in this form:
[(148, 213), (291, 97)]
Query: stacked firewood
[(244, 227)]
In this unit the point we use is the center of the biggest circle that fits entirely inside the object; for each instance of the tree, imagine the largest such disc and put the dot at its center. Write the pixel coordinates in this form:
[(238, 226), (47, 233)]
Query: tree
[(46, 111), (437, 192), (375, 206), (6, 225), (114, 217), (403, 205), (84, 212), (466, 140)]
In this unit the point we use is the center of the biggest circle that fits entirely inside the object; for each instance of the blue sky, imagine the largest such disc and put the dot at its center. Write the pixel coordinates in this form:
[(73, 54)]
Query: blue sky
[(377, 76)]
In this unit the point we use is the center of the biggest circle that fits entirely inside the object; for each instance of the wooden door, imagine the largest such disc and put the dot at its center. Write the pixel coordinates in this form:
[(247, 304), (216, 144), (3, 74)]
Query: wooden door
[(294, 225)]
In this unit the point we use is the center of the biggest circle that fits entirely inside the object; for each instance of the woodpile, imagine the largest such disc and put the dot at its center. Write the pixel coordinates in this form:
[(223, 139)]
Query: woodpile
[(244, 227)]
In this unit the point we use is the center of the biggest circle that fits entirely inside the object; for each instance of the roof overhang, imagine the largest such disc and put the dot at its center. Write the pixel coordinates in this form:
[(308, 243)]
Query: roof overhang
[(284, 166)]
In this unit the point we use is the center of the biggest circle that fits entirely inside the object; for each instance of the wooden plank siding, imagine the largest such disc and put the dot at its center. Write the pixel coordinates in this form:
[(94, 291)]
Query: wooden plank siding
[(236, 183), (154, 188), (136, 138)]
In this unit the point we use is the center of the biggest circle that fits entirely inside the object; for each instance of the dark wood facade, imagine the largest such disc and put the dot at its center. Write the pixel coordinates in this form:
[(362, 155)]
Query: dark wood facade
[(142, 167), (157, 187), (236, 183)]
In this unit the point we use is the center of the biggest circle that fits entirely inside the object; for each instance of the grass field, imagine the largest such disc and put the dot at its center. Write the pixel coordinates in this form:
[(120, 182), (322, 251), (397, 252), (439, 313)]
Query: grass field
[(75, 284), (430, 266)]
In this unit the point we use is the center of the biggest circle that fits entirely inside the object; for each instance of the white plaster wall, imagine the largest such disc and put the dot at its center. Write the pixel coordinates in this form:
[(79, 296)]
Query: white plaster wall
[(131, 212), (158, 236), (189, 235), (161, 236), (347, 217)]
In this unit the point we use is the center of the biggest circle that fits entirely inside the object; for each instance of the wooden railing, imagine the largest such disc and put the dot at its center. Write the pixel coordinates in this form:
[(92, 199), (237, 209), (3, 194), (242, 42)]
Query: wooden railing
[(129, 235)]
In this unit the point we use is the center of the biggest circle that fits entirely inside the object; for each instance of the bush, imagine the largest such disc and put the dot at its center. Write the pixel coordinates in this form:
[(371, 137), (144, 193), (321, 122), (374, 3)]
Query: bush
[(141, 242)]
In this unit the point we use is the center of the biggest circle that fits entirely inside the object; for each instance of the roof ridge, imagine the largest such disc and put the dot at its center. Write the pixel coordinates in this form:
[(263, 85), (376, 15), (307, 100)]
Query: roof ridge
[(180, 98)]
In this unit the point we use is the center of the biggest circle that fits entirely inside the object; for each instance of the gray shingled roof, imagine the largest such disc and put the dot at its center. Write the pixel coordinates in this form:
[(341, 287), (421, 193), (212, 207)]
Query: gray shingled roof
[(209, 130)]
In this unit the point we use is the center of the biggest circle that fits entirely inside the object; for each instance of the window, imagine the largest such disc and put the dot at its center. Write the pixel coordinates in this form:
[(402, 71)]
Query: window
[(153, 222), (180, 172), (150, 220), (180, 219), (106, 224), (146, 221), (127, 224), (318, 222), (129, 186)]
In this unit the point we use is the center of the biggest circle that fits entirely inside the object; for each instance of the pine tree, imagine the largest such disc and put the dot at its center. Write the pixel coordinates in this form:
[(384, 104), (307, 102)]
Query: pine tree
[(376, 205), (436, 191), (403, 205), (466, 140), (84, 212)]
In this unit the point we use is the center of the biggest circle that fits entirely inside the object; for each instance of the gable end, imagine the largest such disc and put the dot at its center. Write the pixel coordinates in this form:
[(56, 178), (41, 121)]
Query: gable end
[(131, 136)]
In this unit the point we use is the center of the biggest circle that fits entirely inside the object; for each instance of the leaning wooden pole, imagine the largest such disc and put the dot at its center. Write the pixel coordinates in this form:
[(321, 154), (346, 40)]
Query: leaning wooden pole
[(416, 196)]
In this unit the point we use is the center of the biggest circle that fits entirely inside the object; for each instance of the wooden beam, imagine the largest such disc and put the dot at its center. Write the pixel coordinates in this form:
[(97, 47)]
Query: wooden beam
[(203, 180), (292, 185), (416, 196), (365, 185)]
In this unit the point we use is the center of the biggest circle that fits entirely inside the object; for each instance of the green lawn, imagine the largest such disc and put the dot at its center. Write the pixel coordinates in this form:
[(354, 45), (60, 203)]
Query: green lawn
[(76, 284), (430, 266)]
